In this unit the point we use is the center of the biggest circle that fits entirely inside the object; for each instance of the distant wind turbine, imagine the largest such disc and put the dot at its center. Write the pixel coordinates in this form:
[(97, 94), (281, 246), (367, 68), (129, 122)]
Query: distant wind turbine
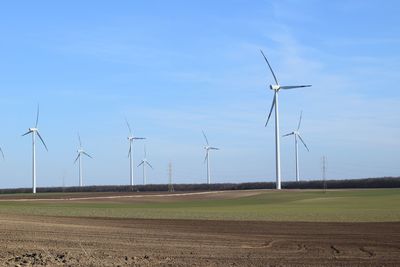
[(81, 152), (276, 88), (207, 147), (131, 139), (35, 131), (296, 134), (145, 163)]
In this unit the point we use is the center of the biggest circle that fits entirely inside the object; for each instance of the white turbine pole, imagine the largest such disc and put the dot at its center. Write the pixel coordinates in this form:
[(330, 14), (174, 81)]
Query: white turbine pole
[(208, 167), (296, 147), (33, 163), (144, 174), (277, 144), (131, 161), (80, 170)]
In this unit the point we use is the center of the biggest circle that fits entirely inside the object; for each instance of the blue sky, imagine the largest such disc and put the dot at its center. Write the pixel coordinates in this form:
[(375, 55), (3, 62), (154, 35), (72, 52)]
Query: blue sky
[(174, 68)]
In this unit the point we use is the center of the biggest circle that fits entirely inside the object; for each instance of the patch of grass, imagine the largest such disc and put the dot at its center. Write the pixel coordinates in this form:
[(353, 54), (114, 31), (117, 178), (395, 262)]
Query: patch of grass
[(333, 206)]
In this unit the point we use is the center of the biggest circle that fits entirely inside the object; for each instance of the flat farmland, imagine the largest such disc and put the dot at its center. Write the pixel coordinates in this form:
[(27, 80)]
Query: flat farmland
[(229, 228)]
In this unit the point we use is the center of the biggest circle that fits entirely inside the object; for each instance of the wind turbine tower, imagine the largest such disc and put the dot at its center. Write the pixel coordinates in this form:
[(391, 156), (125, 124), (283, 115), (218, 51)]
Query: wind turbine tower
[(145, 163), (297, 136), (131, 139), (81, 152), (276, 88), (35, 131), (207, 147)]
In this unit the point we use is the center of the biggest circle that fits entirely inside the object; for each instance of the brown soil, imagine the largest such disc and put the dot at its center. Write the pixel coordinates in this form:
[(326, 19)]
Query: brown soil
[(31, 240)]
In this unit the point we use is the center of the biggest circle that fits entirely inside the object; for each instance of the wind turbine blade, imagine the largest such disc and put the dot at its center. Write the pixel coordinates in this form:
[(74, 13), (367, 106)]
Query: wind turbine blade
[(130, 150), (205, 159), (149, 165), (28, 132), (1, 151), (41, 139), (77, 157), (139, 138), (272, 108), (301, 139), (129, 127), (145, 152), (214, 148), (294, 86), (37, 117), (288, 134), (205, 137), (86, 154), (301, 116), (80, 141), (141, 163), (273, 74)]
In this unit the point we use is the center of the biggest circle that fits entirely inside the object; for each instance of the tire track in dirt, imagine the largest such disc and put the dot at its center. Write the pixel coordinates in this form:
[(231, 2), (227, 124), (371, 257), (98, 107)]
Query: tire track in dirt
[(336, 251), (368, 252)]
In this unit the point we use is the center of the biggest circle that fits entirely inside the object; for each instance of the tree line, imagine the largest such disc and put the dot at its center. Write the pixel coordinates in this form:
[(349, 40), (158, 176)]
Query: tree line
[(383, 182)]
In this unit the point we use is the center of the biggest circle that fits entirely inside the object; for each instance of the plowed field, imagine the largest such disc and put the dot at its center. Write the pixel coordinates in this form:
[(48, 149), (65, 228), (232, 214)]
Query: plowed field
[(26, 240), (56, 238)]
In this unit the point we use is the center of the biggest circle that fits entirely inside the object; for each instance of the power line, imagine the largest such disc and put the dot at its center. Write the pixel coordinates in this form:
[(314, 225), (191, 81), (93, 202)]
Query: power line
[(324, 167), (170, 185)]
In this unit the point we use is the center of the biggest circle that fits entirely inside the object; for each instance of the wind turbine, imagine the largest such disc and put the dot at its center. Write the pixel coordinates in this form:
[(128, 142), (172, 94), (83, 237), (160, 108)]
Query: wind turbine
[(276, 88), (81, 152), (131, 138), (296, 134), (207, 147), (145, 163), (2, 153), (35, 131)]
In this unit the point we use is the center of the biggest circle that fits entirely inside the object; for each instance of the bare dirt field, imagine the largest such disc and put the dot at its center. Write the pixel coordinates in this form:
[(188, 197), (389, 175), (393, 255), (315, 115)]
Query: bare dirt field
[(44, 240), (129, 197)]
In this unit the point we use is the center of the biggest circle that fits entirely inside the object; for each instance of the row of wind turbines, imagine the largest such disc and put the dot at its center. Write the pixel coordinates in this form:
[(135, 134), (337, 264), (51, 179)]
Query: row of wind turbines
[(131, 138), (34, 131)]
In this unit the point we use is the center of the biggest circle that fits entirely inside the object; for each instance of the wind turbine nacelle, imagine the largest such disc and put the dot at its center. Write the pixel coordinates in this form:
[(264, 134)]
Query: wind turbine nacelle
[(33, 129), (274, 87)]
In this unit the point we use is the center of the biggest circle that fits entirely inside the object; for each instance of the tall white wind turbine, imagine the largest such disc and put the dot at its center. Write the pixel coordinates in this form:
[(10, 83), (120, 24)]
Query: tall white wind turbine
[(276, 88), (145, 163), (131, 139), (81, 152), (297, 135), (35, 131), (207, 147)]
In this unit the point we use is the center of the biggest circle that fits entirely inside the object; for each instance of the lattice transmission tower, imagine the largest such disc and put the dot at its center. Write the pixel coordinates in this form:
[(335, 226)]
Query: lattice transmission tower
[(170, 185)]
